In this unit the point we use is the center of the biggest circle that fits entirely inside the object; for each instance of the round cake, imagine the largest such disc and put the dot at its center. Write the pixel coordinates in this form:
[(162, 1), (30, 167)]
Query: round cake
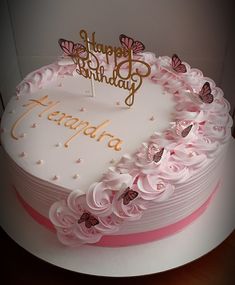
[(96, 171)]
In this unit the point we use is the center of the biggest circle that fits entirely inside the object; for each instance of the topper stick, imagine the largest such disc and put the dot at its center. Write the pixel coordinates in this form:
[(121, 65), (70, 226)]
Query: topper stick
[(130, 80), (92, 79)]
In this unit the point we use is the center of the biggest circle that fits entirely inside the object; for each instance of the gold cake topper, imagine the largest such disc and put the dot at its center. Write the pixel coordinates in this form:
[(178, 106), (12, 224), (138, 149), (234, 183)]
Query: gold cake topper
[(127, 73)]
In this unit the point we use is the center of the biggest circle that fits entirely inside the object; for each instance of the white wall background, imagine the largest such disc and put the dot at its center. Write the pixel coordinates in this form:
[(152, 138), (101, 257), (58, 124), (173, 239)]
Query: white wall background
[(199, 31)]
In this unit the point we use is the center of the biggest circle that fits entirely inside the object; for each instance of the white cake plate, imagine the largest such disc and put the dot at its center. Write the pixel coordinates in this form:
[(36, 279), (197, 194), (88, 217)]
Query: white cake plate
[(203, 235)]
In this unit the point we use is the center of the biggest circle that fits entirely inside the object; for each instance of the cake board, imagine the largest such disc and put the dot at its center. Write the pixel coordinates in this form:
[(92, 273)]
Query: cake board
[(203, 235)]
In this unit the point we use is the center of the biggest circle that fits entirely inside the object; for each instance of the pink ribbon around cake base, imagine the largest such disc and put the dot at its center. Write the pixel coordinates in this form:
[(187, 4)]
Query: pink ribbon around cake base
[(128, 239)]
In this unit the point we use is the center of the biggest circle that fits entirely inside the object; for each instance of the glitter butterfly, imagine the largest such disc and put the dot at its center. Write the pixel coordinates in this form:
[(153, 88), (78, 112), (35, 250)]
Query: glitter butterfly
[(155, 153), (177, 64), (128, 195), (186, 131), (129, 43), (70, 48), (90, 221), (205, 94)]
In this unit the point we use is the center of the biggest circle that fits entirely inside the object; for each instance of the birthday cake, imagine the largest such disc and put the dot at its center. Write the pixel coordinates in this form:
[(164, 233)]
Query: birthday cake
[(115, 146)]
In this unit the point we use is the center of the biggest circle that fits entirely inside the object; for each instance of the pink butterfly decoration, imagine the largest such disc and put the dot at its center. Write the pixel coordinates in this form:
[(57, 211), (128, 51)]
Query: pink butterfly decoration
[(205, 94), (128, 195), (70, 48), (129, 43), (186, 131), (90, 221), (177, 64), (155, 153)]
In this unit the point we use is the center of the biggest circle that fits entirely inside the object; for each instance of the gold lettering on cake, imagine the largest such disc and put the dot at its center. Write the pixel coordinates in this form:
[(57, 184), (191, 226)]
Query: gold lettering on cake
[(32, 104), (63, 116), (68, 121), (53, 114), (103, 135), (115, 143), (94, 130), (91, 131), (71, 123), (50, 105)]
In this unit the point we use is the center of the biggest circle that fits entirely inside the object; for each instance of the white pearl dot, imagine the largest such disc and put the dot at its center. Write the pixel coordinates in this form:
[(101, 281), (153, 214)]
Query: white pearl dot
[(82, 109), (40, 161), (23, 154), (34, 125), (76, 176), (55, 177), (58, 144)]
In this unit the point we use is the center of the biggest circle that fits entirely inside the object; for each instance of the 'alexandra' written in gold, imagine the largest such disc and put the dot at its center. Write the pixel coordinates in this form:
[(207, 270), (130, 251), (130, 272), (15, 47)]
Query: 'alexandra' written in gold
[(69, 121)]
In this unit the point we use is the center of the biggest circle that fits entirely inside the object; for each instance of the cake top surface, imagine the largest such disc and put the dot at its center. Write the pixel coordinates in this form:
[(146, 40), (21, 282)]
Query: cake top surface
[(60, 133)]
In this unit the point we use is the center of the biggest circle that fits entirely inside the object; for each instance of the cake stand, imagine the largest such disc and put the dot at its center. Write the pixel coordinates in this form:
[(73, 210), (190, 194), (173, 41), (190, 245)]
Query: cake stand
[(203, 235)]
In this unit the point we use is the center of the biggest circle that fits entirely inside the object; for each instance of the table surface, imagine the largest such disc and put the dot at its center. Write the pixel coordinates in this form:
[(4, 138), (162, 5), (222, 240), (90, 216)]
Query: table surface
[(21, 267)]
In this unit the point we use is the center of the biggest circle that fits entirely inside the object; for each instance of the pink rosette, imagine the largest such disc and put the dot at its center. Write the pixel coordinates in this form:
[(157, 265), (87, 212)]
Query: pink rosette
[(220, 119), (174, 172), (150, 156), (206, 145), (183, 131), (220, 104), (65, 217), (151, 188), (189, 156), (217, 132), (127, 165), (131, 210), (72, 228), (115, 180), (189, 111), (99, 199), (193, 77)]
